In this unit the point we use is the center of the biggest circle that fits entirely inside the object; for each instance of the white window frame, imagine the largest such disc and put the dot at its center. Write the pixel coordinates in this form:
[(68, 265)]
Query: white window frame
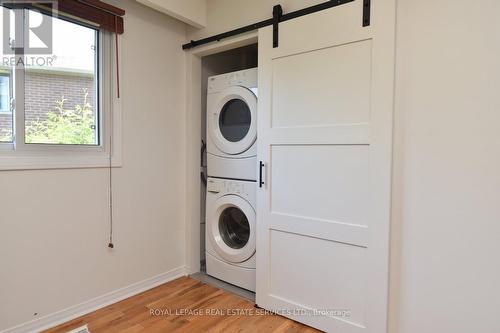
[(21, 156)]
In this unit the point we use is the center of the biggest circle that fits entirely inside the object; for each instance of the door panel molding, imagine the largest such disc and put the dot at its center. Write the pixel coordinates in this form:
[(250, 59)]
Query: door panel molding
[(323, 214)]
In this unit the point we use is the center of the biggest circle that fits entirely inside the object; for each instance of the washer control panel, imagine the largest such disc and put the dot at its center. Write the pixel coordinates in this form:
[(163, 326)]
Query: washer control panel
[(245, 189)]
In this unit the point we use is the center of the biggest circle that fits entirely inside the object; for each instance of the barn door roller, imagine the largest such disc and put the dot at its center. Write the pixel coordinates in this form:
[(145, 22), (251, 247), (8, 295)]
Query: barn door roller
[(279, 17)]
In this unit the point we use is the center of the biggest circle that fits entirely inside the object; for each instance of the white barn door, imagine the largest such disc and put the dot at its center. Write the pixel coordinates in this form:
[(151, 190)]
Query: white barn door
[(325, 137)]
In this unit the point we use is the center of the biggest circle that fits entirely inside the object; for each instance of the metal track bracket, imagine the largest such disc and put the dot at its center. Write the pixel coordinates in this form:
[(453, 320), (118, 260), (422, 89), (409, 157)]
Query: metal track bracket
[(277, 13), (366, 12)]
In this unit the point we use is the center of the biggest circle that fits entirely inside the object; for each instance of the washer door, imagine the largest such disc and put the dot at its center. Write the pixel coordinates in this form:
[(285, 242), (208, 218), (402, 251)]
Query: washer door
[(232, 228), (234, 122)]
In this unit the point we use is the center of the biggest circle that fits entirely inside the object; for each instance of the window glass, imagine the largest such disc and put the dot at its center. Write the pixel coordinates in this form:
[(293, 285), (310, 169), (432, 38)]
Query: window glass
[(61, 88), (234, 228), (234, 120), (6, 123), (4, 92), (6, 116)]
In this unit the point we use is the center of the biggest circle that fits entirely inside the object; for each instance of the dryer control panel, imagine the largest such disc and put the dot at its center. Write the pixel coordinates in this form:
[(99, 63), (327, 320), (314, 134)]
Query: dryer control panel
[(245, 78)]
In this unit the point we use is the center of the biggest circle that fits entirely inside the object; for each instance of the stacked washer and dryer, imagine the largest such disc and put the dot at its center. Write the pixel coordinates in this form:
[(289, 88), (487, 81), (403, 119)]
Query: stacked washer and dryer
[(231, 183)]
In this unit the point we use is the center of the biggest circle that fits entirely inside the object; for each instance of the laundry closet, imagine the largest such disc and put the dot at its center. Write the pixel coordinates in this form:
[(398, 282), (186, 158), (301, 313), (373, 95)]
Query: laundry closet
[(228, 168)]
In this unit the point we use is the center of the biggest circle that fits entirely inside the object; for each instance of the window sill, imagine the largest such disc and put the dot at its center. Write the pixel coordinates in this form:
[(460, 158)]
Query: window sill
[(63, 161)]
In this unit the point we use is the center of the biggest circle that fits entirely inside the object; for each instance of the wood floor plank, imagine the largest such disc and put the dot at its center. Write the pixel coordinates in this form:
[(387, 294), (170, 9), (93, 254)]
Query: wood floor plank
[(183, 305)]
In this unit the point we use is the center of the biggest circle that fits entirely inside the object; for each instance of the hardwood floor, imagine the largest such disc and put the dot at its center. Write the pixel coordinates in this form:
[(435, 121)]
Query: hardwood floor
[(183, 305)]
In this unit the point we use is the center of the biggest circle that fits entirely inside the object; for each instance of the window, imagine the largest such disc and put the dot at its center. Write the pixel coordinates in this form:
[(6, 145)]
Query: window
[(60, 91), (56, 92)]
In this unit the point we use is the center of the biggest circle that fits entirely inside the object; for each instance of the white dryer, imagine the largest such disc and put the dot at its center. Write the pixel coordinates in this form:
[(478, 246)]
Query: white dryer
[(232, 125), (230, 231)]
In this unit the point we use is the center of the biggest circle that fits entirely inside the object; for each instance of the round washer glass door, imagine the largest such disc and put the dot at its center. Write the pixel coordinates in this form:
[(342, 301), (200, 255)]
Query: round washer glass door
[(234, 123), (232, 228)]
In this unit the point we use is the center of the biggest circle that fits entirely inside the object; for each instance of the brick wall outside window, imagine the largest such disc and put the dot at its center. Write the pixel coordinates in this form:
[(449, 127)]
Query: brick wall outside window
[(5, 124), (43, 89)]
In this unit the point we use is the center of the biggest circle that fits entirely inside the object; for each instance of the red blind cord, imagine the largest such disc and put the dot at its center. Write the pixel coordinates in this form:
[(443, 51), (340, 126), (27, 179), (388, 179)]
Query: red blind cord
[(117, 61)]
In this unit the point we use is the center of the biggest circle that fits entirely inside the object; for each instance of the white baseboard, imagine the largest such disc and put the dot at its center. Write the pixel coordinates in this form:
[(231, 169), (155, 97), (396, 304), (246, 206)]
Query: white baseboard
[(81, 309)]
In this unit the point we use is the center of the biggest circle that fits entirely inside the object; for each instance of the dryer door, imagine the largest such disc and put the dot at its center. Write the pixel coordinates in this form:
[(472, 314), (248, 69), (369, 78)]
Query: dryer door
[(233, 126), (232, 228)]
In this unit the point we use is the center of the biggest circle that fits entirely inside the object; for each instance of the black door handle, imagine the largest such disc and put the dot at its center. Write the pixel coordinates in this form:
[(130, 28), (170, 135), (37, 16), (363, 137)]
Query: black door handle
[(261, 166)]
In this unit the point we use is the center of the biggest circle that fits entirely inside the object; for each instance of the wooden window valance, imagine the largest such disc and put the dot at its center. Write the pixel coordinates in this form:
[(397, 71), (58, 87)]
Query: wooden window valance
[(104, 15)]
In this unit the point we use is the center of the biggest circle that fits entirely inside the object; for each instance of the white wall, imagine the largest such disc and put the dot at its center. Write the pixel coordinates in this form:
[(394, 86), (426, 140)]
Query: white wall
[(448, 108), (192, 12), (446, 212), (54, 224)]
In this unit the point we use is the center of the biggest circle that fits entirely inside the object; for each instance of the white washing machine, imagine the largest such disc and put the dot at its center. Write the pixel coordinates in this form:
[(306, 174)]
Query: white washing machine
[(232, 125), (230, 231)]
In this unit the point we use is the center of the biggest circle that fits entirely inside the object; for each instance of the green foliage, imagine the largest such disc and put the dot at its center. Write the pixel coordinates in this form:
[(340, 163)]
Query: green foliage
[(5, 133), (5, 136), (64, 126)]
